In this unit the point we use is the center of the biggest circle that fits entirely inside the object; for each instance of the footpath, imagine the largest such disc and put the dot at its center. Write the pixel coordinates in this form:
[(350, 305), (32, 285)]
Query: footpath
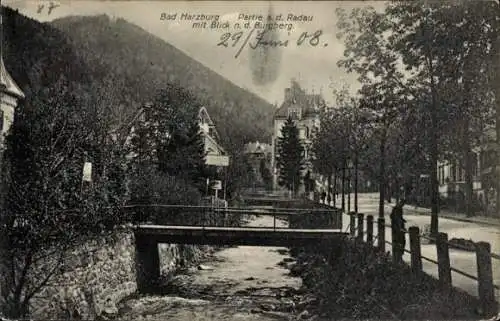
[(414, 210), (485, 220)]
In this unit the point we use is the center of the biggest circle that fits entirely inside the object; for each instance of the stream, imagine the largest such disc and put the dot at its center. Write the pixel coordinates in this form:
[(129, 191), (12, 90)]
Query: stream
[(237, 283)]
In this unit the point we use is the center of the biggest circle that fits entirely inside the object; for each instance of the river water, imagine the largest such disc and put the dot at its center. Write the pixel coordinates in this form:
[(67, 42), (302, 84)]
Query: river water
[(240, 284)]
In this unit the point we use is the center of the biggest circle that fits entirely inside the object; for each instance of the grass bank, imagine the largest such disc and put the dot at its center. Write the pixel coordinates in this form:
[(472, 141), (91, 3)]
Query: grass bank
[(351, 280)]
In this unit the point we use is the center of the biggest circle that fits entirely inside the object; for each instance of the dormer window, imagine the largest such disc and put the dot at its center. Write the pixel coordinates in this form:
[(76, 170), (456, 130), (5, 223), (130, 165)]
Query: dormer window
[(295, 113)]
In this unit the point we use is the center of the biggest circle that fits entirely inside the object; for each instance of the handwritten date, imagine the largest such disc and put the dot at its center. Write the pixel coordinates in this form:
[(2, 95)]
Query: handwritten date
[(229, 39)]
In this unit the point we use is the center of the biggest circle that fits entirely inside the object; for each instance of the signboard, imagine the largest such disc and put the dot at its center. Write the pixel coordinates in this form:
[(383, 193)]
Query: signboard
[(217, 185), (217, 160), (87, 172)]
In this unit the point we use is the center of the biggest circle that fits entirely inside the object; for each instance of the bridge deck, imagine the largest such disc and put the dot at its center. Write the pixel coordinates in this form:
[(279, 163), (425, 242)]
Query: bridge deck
[(236, 235)]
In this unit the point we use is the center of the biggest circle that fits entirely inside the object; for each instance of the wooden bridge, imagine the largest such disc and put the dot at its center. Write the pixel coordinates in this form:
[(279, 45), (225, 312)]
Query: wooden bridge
[(217, 226)]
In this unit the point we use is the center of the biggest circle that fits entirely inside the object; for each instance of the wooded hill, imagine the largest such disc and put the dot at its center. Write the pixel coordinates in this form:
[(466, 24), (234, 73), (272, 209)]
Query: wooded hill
[(144, 63), (132, 65)]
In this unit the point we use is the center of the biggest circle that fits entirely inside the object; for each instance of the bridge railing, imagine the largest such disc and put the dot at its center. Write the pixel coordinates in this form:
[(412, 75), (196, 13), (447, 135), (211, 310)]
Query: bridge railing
[(181, 215), (209, 216)]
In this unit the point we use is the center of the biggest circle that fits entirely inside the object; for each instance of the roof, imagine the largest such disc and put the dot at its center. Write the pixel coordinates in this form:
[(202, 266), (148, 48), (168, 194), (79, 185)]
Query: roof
[(310, 104), (257, 147), (203, 114), (213, 137), (7, 84), (204, 117), (221, 150)]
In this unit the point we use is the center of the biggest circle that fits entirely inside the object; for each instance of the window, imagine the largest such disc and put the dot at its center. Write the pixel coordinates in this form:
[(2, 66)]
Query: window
[(294, 113), (460, 173), (475, 164), (453, 171), (441, 174)]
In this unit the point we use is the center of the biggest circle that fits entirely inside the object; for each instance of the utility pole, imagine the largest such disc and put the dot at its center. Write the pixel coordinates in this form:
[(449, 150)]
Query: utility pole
[(343, 188)]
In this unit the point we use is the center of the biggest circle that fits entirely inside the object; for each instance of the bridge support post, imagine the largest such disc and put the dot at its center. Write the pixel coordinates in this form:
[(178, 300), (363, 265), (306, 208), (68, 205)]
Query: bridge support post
[(147, 264)]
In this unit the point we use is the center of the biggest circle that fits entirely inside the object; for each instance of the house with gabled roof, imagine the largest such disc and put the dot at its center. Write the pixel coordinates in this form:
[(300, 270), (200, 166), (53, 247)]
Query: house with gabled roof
[(216, 154), (304, 110)]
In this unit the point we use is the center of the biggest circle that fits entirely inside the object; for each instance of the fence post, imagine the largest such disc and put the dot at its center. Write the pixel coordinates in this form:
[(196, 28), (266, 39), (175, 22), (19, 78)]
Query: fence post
[(352, 223), (443, 255), (485, 279), (381, 234), (360, 226), (416, 250), (369, 229)]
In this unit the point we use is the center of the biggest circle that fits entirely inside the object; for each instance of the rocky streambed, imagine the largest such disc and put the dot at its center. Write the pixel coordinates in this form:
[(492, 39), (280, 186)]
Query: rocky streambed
[(325, 282), (238, 283)]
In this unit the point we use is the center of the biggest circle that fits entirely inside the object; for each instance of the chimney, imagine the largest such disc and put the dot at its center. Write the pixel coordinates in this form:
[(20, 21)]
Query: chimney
[(288, 94)]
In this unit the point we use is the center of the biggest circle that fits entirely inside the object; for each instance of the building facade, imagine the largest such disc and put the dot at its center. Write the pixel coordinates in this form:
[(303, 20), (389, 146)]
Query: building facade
[(451, 176), (303, 109), (259, 156), (10, 94), (216, 155)]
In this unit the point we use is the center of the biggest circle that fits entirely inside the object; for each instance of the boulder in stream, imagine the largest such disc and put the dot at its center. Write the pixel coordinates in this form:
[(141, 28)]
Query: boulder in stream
[(304, 315)]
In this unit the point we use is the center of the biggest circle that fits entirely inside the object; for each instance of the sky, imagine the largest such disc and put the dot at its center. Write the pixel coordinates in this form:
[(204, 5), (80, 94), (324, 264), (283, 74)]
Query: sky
[(314, 67)]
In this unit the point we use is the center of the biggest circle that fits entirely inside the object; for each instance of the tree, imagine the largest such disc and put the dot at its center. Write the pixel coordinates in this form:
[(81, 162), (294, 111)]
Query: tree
[(448, 77), (495, 52), (330, 147), (239, 173), (265, 173), (46, 208), (184, 156), (456, 71), (370, 53), (290, 158), (323, 151), (169, 137)]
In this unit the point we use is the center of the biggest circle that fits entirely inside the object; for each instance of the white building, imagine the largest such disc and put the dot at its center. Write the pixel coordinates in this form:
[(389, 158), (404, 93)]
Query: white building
[(10, 94), (216, 154)]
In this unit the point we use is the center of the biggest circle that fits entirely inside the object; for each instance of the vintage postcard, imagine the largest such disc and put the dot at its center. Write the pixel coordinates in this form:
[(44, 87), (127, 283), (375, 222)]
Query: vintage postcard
[(249, 160)]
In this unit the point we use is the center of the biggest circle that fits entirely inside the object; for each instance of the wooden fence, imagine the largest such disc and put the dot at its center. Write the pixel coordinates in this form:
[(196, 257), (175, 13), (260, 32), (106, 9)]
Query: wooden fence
[(362, 228)]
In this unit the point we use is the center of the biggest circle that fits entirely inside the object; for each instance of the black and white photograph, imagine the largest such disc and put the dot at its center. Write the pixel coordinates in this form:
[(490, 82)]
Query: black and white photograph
[(249, 160)]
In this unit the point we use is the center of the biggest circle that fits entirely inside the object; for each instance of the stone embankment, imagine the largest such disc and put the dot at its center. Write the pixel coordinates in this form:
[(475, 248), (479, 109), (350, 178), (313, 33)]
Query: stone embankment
[(98, 274)]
